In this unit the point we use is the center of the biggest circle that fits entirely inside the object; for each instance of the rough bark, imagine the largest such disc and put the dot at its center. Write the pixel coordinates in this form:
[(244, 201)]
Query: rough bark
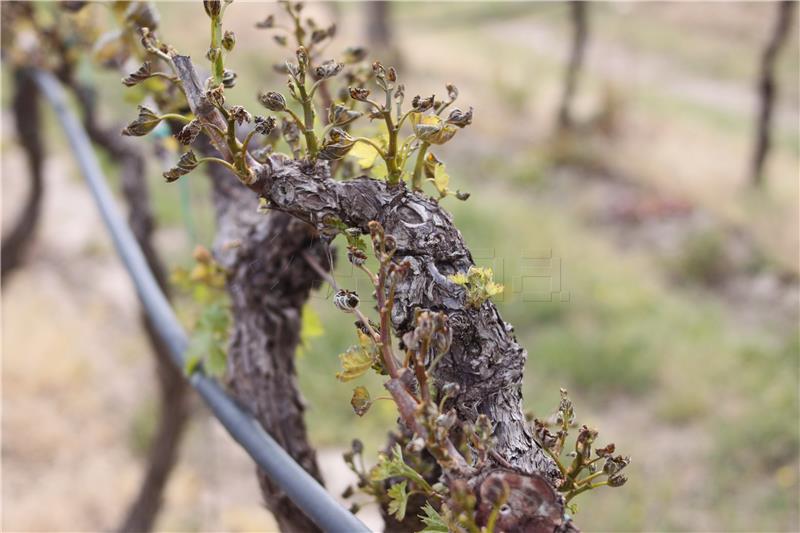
[(269, 282), (580, 29), (173, 388), (767, 88), (28, 124), (484, 358)]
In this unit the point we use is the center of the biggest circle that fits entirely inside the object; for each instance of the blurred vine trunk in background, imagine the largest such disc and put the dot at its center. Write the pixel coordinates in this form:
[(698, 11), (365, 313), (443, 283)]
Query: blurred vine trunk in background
[(784, 13), (580, 32), (380, 39), (28, 122), (174, 412), (269, 283)]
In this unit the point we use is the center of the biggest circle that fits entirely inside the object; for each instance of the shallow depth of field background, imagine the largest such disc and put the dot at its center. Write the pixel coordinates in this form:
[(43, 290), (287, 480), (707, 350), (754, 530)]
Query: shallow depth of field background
[(641, 272)]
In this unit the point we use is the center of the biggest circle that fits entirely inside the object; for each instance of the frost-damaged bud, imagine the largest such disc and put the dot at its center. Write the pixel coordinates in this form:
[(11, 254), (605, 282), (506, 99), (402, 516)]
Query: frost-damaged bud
[(302, 55), (345, 300), (359, 94), (216, 96), (144, 123), (213, 7), (267, 23), (422, 104), (228, 79), (337, 145), (264, 126), (141, 74), (391, 74), (328, 69), (617, 481), (189, 132), (340, 115), (452, 92), (379, 70), (228, 40), (355, 256), (240, 115), (460, 118), (607, 451), (545, 437), (354, 54), (186, 164), (272, 101), (615, 464)]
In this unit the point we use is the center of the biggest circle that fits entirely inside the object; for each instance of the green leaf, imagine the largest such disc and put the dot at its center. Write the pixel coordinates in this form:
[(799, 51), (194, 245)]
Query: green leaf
[(217, 361), (389, 467), (434, 522), (479, 284), (361, 401), (398, 500)]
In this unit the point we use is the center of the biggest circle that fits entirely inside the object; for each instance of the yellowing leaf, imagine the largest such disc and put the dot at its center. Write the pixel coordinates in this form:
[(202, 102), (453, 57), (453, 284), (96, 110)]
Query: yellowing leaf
[(459, 279), (360, 401), (365, 153), (441, 179), (357, 359)]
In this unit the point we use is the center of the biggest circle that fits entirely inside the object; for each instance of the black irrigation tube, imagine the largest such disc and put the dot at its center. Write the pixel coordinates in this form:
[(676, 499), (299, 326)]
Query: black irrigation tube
[(303, 489)]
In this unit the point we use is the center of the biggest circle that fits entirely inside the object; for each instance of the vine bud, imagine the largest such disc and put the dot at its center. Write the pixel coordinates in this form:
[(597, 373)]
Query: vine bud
[(228, 40), (264, 126), (422, 104), (189, 132), (213, 7), (328, 69), (345, 300), (272, 101), (359, 93), (617, 481), (460, 118), (228, 79)]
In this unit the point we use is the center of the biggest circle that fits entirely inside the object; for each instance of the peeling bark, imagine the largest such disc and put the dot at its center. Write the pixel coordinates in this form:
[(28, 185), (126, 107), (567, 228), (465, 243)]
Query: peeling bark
[(269, 282)]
